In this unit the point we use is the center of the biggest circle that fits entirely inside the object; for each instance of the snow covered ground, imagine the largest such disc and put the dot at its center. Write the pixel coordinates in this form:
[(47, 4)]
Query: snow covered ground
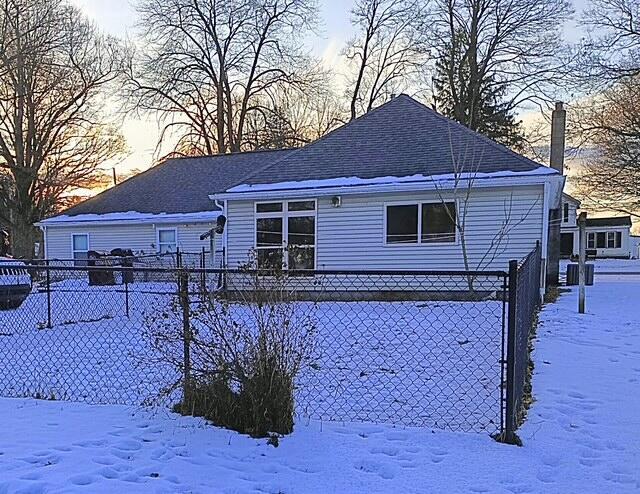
[(411, 363), (581, 435)]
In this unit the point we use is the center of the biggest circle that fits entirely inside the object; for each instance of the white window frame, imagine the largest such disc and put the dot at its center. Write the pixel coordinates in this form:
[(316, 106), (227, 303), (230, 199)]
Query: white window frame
[(285, 214), (566, 212), (158, 244), (591, 236), (419, 243), (73, 247)]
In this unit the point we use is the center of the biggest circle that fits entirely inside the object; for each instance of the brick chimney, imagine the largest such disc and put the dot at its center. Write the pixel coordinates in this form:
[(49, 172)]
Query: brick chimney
[(556, 160), (558, 128)]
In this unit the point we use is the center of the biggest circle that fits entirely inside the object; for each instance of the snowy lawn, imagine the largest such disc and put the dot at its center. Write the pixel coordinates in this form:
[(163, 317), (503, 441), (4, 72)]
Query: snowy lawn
[(411, 363), (581, 435)]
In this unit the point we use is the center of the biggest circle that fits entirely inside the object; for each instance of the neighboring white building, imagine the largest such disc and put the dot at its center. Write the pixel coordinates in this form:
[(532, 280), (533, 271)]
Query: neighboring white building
[(606, 237), (384, 192)]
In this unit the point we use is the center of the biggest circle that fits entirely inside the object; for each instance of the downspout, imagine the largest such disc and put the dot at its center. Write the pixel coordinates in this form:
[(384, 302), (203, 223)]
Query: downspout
[(545, 236)]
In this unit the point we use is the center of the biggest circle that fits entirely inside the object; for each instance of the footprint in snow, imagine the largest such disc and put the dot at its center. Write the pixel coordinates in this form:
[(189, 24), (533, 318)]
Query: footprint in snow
[(82, 480), (387, 451), (128, 445), (384, 471)]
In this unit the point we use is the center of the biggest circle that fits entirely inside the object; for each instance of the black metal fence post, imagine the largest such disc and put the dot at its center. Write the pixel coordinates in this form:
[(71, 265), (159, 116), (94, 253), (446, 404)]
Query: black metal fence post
[(49, 324), (183, 284), (126, 292), (511, 412)]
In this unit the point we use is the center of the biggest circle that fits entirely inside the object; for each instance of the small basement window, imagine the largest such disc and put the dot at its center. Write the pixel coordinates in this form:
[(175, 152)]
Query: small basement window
[(167, 240), (80, 248)]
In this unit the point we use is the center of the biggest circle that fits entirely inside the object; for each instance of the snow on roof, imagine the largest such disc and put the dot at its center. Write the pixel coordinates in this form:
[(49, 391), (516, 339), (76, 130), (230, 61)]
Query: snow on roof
[(388, 180), (134, 217)]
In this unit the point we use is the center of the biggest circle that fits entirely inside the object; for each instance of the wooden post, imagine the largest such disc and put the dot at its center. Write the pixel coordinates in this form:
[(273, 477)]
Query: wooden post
[(582, 227)]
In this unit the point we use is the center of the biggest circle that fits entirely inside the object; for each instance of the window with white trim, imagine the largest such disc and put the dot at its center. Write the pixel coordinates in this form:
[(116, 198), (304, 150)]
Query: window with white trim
[(80, 248), (421, 223), (286, 234), (604, 240), (167, 240), (565, 213)]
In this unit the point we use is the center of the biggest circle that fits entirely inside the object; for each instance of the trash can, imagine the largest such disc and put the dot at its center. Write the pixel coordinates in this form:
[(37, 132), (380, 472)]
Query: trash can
[(573, 274), (99, 277)]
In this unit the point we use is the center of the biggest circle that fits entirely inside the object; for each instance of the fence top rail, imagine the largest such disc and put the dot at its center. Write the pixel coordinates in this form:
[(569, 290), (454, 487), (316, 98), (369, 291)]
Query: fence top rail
[(145, 269)]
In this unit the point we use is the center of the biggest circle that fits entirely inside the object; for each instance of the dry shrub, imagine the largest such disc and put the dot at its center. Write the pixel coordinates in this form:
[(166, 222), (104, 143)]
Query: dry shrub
[(245, 354)]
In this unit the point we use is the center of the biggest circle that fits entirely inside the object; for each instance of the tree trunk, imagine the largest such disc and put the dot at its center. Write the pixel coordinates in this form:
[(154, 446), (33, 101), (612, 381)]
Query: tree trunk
[(23, 238)]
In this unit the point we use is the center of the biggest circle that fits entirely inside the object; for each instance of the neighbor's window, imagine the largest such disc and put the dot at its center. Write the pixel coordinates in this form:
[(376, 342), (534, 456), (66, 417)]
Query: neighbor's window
[(167, 240), (565, 213), (80, 248), (286, 227), (614, 240), (591, 240), (421, 223), (601, 240)]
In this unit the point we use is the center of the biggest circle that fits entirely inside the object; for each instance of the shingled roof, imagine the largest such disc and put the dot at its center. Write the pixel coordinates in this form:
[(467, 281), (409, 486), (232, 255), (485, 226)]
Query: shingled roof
[(400, 138), (610, 221), (180, 185)]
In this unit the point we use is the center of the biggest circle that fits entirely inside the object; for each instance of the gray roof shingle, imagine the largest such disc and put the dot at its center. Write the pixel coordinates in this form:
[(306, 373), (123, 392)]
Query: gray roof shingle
[(179, 185), (610, 221), (400, 138)]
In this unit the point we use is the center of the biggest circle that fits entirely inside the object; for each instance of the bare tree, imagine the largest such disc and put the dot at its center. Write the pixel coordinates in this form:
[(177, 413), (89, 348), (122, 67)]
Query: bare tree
[(389, 49), (606, 123), (494, 57), (207, 63), (609, 124), (293, 116), (54, 68), (612, 47), (457, 194)]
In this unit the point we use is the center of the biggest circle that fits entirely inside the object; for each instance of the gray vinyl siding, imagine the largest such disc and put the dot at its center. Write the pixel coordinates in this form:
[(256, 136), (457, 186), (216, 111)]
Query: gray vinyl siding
[(141, 238), (352, 236)]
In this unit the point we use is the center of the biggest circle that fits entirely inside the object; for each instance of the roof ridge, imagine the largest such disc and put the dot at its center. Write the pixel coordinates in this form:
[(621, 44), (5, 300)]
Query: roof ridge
[(319, 140), (235, 153)]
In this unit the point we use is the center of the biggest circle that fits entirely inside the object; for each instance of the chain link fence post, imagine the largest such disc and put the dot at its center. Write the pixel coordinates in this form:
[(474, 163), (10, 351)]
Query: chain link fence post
[(183, 288), (511, 412), (48, 277)]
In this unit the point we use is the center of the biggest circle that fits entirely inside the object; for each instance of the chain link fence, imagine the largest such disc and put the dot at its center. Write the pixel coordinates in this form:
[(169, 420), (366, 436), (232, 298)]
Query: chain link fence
[(410, 348)]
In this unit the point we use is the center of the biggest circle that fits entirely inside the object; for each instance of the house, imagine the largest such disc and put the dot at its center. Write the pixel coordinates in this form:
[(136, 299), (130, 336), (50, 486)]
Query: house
[(400, 188), (156, 212), (606, 237)]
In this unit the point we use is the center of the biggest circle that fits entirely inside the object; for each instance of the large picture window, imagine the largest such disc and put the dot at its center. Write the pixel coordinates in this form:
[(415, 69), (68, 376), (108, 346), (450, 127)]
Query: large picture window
[(423, 223), (80, 248), (286, 235)]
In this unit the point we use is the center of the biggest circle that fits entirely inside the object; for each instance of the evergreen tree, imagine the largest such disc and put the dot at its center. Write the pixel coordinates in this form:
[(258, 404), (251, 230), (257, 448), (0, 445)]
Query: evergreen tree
[(468, 94)]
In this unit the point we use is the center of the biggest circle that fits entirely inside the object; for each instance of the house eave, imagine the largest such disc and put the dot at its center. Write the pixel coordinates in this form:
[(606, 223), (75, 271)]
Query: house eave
[(421, 185), (118, 219)]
